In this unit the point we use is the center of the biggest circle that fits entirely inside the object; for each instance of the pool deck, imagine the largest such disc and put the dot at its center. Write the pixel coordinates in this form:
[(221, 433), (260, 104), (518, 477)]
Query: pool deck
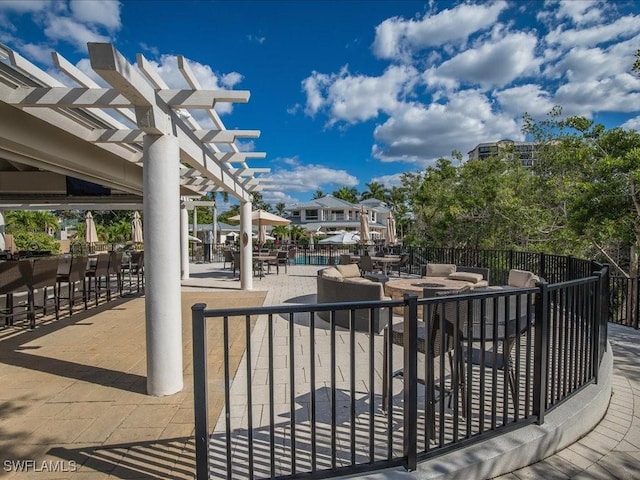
[(72, 393)]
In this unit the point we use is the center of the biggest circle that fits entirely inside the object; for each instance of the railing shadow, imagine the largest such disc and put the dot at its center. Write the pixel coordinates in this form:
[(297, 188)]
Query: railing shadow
[(14, 352), (265, 452), (156, 459)]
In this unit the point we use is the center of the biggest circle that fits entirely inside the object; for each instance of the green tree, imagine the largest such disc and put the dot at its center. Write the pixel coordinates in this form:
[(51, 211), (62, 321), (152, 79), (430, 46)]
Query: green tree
[(375, 190), (348, 194), (318, 194), (281, 208)]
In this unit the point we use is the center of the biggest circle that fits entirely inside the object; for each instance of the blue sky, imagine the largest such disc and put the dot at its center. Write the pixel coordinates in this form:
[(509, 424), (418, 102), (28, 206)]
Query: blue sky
[(348, 92)]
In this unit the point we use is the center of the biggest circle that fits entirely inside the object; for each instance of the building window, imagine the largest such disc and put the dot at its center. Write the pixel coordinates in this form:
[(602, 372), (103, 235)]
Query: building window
[(311, 214)]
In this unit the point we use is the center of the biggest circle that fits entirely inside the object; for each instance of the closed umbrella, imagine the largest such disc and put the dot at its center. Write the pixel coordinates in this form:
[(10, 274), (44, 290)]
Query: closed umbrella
[(262, 235), (2, 242), (391, 230), (136, 229), (365, 234), (90, 234)]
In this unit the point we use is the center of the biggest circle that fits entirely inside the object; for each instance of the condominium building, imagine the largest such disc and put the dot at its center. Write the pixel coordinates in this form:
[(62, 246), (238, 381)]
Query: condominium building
[(525, 151)]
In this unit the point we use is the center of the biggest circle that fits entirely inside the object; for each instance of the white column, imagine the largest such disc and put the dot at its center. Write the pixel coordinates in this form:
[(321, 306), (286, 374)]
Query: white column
[(184, 242), (246, 249), (162, 264)]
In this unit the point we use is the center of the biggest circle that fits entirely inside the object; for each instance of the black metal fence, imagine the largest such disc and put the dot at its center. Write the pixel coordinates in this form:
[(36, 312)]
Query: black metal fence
[(316, 400)]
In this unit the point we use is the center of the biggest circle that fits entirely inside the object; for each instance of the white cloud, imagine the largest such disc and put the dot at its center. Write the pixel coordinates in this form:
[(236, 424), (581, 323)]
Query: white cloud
[(273, 197), (167, 67), (358, 98), (303, 178), (632, 124), (619, 93), (389, 181), (491, 64), (532, 99), (69, 30), (580, 12), (97, 12), (397, 38), (422, 133), (623, 27), (25, 6)]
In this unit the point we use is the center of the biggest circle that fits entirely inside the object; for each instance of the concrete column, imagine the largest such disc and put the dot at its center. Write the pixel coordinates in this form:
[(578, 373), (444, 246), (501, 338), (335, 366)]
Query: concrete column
[(195, 221), (246, 249), (161, 182), (184, 242)]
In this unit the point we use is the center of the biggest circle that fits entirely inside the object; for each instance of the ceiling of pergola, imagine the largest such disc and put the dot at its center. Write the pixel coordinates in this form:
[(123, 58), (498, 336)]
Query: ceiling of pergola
[(60, 136)]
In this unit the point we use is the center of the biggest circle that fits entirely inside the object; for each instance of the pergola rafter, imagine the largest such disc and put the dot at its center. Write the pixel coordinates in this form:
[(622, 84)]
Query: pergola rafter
[(143, 99)]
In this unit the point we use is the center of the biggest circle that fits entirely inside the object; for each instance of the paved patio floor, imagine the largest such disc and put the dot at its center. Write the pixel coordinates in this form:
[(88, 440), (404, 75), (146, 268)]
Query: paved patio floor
[(72, 393)]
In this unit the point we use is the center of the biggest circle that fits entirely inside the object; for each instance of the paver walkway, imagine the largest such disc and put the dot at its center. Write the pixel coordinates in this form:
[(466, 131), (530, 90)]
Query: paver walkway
[(72, 395)]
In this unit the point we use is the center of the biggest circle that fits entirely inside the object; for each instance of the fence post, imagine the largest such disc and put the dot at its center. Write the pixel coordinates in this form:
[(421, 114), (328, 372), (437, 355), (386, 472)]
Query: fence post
[(541, 348), (410, 383), (200, 400), (542, 267)]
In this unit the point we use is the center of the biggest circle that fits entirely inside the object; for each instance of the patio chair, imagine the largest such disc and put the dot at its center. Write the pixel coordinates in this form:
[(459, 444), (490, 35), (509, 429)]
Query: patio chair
[(115, 268), (98, 273), (75, 274), (496, 353), (403, 264), (281, 259), (13, 276), (135, 266), (228, 258), (436, 336), (43, 278)]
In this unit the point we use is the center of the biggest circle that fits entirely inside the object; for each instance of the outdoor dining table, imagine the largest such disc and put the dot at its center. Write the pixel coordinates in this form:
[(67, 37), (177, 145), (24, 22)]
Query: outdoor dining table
[(386, 261), (261, 260)]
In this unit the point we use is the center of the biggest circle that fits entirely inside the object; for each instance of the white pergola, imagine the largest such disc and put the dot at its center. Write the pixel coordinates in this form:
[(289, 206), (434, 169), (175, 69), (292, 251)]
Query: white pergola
[(138, 139)]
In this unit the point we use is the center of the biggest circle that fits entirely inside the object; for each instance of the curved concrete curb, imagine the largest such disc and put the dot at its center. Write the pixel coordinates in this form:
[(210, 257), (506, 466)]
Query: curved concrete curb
[(505, 453)]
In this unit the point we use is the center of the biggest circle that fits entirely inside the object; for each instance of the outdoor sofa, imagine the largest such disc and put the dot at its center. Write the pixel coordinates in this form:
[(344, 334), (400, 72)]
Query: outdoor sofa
[(343, 283)]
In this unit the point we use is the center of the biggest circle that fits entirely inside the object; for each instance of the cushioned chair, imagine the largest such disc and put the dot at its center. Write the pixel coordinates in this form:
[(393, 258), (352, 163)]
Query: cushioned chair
[(438, 269), (343, 283), (478, 270)]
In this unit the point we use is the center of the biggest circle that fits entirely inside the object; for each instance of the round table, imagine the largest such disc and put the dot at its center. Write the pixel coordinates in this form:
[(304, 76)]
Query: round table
[(397, 288)]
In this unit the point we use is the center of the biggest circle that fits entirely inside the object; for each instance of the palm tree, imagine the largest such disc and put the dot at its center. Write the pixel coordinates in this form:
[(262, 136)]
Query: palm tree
[(297, 232), (281, 208), (318, 194), (375, 190), (348, 194)]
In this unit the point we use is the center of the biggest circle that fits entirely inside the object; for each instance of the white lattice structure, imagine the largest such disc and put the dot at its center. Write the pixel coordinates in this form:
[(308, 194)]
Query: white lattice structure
[(138, 139)]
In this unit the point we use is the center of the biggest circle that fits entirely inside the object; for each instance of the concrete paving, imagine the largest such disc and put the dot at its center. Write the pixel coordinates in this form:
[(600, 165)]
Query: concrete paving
[(72, 393)]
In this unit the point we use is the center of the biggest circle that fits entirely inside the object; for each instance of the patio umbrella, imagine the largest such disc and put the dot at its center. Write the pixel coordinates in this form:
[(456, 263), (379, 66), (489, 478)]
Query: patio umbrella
[(365, 234), (90, 233), (262, 217), (191, 238), (391, 230), (347, 238), (136, 228)]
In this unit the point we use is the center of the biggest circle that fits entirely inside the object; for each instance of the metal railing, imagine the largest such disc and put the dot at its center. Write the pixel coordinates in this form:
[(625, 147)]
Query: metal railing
[(316, 400)]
